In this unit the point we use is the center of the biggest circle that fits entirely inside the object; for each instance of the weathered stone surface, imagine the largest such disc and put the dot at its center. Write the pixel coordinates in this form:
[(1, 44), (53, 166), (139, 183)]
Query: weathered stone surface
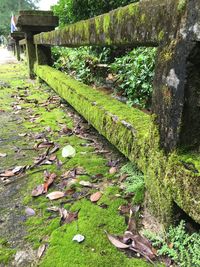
[(176, 99), (43, 55), (22, 42), (143, 23), (36, 21), (32, 22), (169, 178), (17, 36)]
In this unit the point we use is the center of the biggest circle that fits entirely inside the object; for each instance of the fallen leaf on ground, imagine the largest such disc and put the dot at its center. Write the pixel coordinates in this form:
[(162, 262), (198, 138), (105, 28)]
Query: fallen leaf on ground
[(54, 149), (52, 157), (86, 183), (70, 191), (67, 130), (49, 179), (113, 170), (7, 174), (3, 155), (22, 134), (55, 195), (54, 209), (80, 171), (69, 174), (78, 238), (41, 250), (68, 152), (18, 169), (141, 245), (44, 144), (29, 212), (67, 216), (38, 190), (115, 241), (95, 197), (47, 162)]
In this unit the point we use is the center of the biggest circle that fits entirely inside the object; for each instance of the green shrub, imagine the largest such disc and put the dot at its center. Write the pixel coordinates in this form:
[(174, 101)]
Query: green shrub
[(180, 246), (135, 72), (78, 62), (70, 11)]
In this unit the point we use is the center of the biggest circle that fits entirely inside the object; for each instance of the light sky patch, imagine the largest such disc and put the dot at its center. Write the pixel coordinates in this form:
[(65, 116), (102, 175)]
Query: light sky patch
[(46, 4)]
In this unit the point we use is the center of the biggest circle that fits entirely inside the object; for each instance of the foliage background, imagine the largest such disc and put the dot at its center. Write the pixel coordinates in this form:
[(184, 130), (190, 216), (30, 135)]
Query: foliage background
[(7, 7), (70, 11)]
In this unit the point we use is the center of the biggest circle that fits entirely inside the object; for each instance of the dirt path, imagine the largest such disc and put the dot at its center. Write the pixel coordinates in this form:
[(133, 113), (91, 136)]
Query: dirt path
[(34, 121)]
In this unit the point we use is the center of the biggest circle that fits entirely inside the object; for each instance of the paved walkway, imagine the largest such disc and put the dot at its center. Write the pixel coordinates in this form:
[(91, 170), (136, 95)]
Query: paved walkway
[(6, 57)]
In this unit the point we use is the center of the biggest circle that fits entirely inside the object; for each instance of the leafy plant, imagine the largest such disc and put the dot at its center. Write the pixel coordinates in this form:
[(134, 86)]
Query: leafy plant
[(179, 245), (134, 182), (134, 73), (78, 62), (70, 11)]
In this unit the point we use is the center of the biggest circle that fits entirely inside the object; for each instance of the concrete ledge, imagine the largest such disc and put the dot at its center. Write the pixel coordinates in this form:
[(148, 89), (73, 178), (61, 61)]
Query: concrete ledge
[(22, 42), (169, 179), (143, 23)]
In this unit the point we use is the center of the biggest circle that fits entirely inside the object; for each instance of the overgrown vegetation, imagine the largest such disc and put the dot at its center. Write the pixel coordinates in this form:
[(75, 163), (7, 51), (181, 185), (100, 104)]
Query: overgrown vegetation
[(183, 248), (132, 74), (132, 70)]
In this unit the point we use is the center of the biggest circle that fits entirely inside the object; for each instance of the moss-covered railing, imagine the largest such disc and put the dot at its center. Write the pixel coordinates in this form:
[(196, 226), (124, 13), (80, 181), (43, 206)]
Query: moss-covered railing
[(155, 145)]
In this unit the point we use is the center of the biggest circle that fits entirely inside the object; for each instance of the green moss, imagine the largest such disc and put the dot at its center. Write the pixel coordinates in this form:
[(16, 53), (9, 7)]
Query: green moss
[(161, 36), (106, 28), (98, 24), (96, 250), (6, 253), (136, 136), (182, 5), (143, 18)]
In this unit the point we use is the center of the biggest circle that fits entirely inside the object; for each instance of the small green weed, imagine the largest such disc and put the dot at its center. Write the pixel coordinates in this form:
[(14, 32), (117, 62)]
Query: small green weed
[(181, 247), (134, 182)]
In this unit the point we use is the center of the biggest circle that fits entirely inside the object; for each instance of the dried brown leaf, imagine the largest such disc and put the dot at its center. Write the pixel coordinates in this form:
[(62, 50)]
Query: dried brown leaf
[(52, 157), (41, 250), (38, 190), (113, 170), (67, 216), (49, 179), (115, 241), (86, 183), (95, 197), (44, 144), (7, 174), (55, 195)]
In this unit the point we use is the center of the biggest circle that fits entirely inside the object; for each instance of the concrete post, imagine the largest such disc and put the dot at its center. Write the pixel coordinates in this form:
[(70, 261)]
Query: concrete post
[(33, 22)]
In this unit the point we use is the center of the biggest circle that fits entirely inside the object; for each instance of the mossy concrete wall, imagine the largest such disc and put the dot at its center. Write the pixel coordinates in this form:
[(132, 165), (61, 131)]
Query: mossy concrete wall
[(142, 23), (169, 179), (173, 25)]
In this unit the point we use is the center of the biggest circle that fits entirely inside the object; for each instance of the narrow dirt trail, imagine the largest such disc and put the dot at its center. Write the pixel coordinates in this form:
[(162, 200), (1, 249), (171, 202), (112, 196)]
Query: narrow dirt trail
[(35, 127)]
